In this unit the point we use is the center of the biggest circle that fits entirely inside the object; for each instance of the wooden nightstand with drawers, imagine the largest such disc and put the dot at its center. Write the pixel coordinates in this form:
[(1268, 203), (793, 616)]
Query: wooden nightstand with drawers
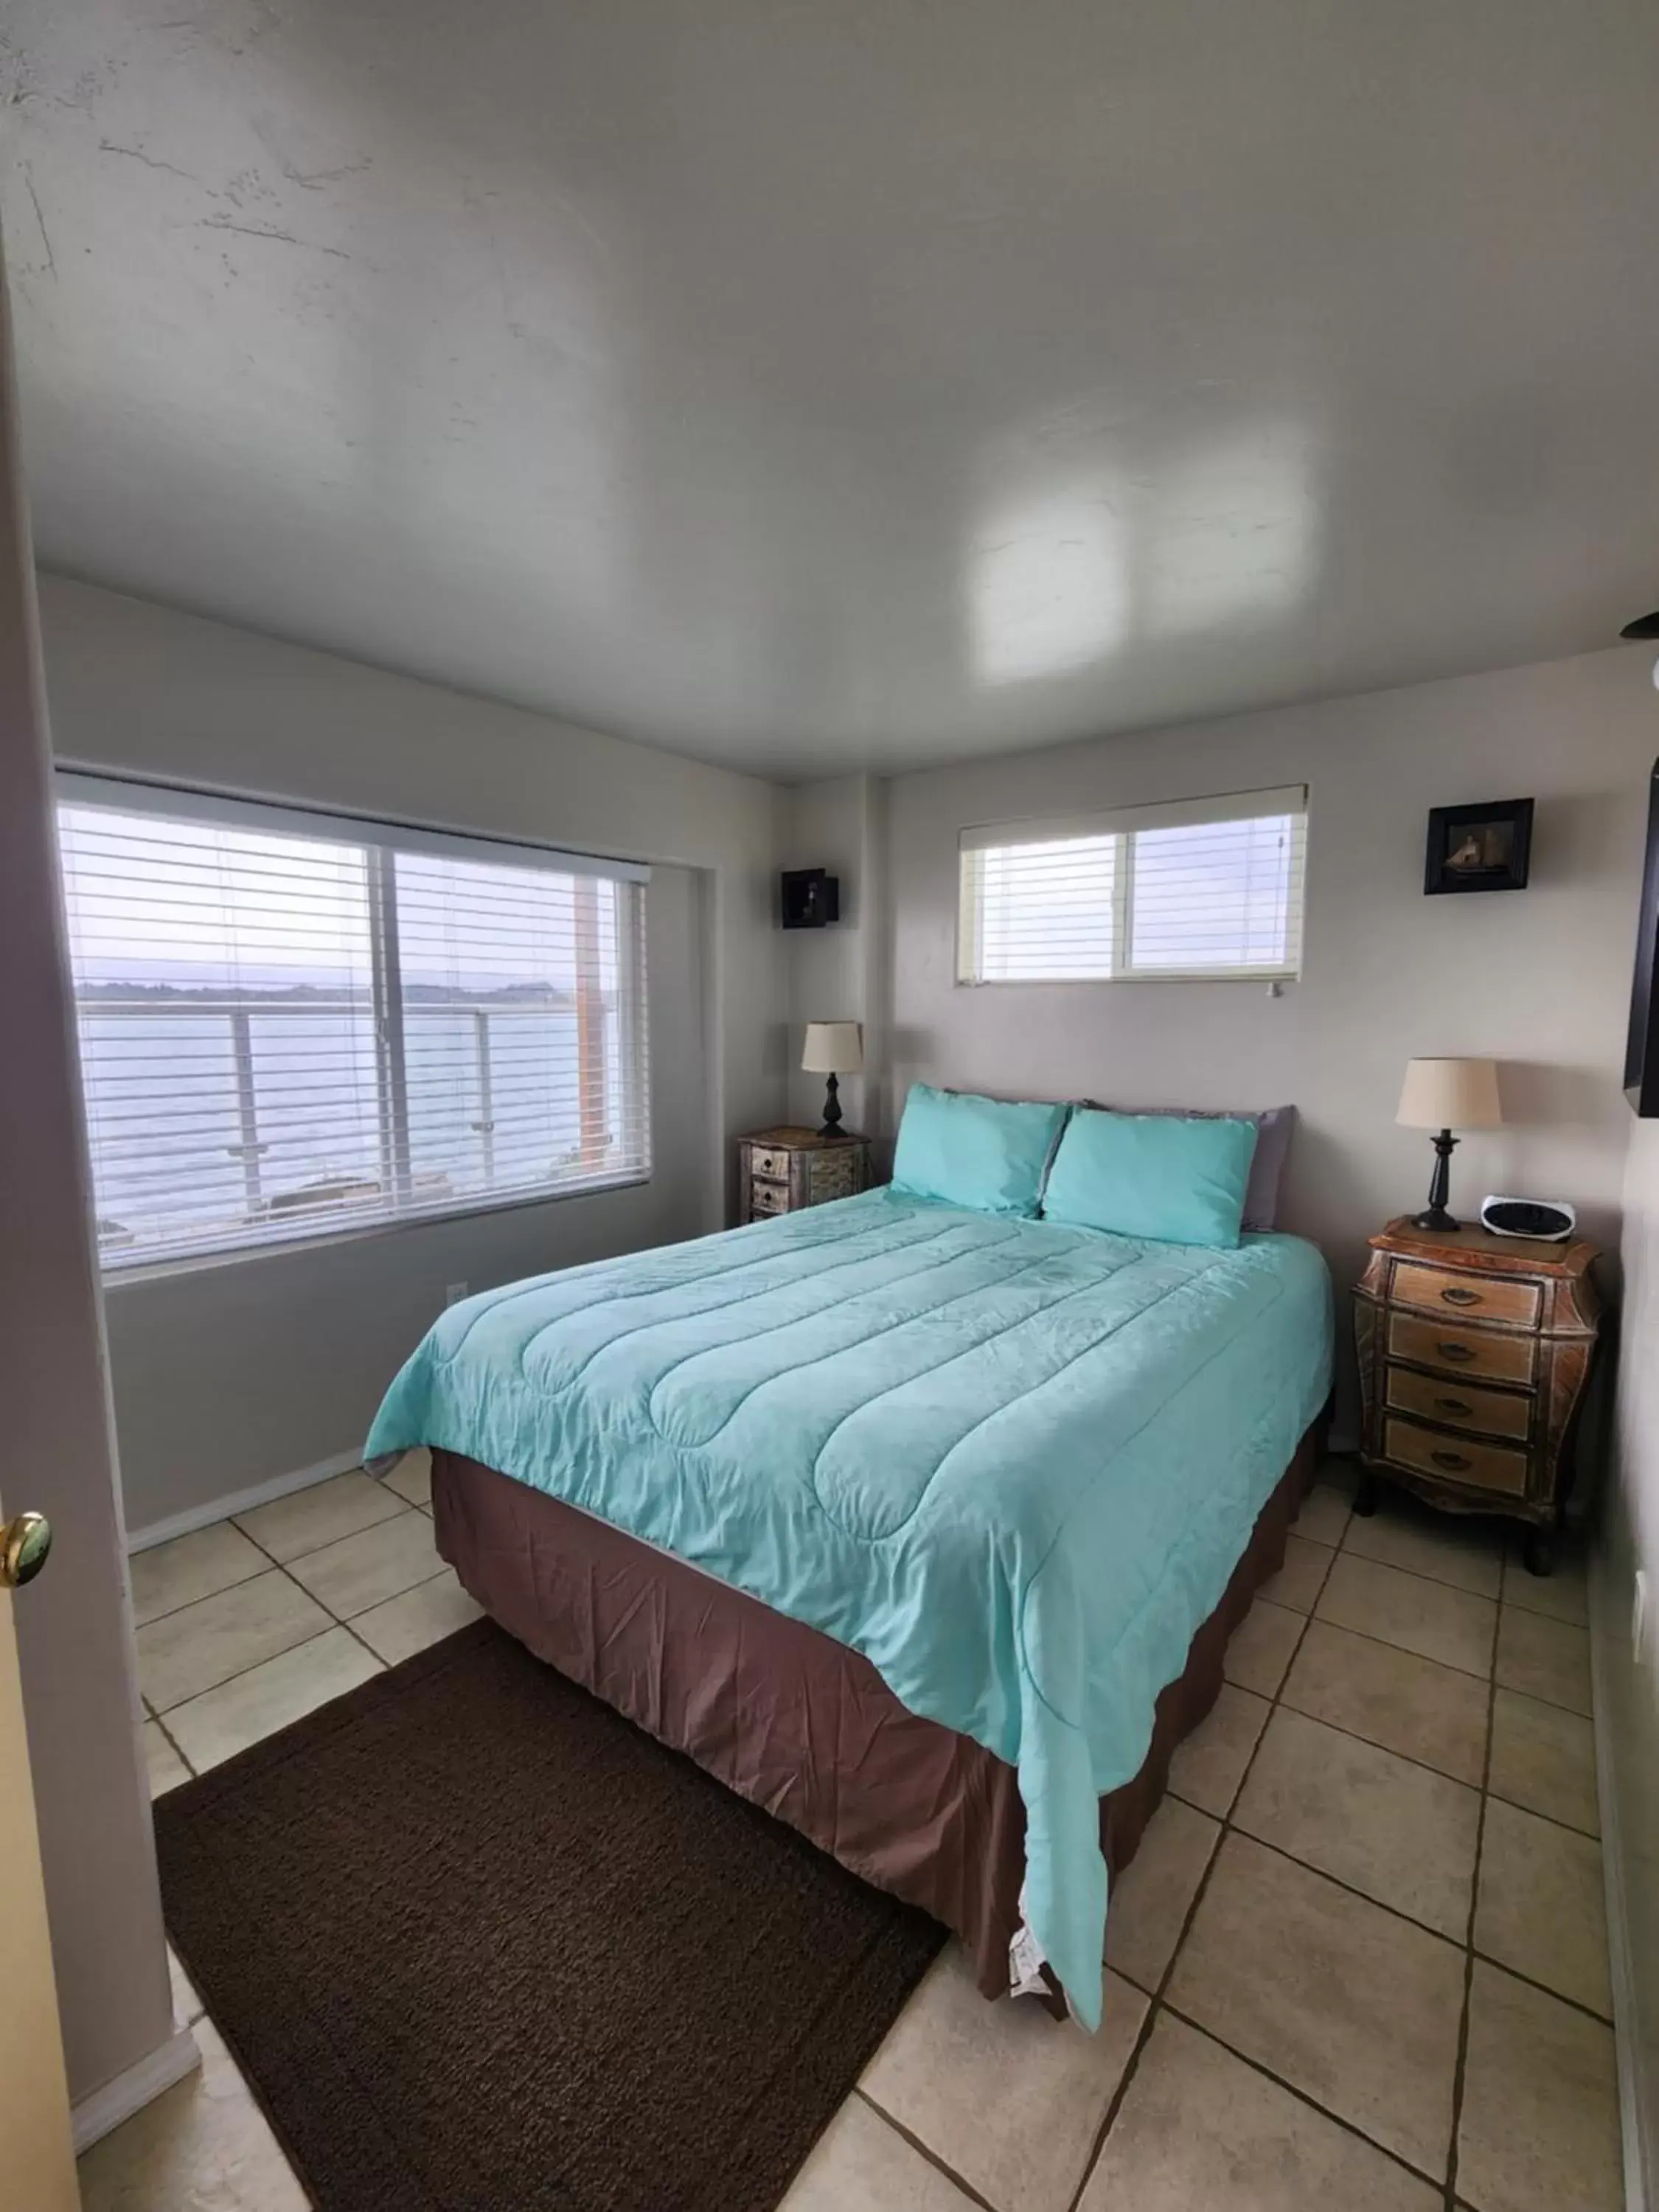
[(1473, 1354), (781, 1170)]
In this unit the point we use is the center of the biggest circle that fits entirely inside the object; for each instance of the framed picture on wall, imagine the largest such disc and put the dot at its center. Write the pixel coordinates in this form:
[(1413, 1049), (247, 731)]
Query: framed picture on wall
[(1486, 848)]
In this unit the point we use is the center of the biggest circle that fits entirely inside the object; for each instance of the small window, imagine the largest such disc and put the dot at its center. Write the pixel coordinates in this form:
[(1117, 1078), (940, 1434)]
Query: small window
[(1199, 888), (293, 1024)]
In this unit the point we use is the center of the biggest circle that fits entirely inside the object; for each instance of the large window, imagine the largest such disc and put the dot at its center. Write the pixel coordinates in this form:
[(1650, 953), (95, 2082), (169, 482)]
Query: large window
[(1208, 888), (293, 1025)]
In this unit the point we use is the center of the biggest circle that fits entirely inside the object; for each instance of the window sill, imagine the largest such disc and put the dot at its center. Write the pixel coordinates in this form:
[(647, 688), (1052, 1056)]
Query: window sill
[(1135, 975), (120, 1278)]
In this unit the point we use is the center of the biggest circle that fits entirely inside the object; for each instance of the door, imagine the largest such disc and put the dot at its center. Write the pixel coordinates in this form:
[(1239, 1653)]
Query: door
[(37, 2168), (84, 2005), (37, 2162)]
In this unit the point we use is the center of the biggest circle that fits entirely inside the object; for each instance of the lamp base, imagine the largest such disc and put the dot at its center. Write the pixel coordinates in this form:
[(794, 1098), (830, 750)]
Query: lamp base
[(1435, 1217), (831, 1110)]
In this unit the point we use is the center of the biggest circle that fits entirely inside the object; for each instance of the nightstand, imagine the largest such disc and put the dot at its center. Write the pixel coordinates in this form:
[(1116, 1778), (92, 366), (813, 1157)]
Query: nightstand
[(781, 1170), (1473, 1354)]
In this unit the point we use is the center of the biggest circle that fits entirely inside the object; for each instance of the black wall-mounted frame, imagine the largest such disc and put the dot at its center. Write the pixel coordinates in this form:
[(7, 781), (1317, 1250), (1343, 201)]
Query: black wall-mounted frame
[(1642, 1049), (812, 898), (1486, 848)]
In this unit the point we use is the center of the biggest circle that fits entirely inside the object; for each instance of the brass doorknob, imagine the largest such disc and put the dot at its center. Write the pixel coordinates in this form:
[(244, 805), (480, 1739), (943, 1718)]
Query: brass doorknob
[(24, 1544)]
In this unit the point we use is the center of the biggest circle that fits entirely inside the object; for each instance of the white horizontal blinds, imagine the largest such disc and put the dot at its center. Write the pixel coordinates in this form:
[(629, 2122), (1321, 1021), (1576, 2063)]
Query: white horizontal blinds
[(1218, 898), (284, 1035), (1198, 888), (523, 1024), (224, 989), (1039, 912)]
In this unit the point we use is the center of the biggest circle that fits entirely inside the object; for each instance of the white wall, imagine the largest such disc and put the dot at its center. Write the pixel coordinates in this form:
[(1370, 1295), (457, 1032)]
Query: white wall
[(837, 973), (230, 1376), (1538, 979)]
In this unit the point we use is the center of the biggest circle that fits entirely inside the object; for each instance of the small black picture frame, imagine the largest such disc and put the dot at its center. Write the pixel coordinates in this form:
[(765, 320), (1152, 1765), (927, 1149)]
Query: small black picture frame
[(1486, 848), (812, 898)]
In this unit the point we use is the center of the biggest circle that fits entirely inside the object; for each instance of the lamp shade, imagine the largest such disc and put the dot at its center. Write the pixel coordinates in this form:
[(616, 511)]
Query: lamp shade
[(833, 1048), (1450, 1094)]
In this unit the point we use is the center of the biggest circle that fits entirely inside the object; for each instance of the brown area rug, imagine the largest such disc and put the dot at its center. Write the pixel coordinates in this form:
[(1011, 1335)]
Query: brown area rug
[(482, 1945)]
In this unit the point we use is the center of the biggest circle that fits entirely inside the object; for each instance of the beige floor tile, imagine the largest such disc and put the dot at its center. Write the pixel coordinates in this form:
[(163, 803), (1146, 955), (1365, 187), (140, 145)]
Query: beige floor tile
[(1436, 1621), (1261, 1646), (408, 1623), (1541, 1908), (1398, 1832), (1563, 1595), (1325, 1511), (1208, 1767), (168, 1575), (1199, 2130), (1544, 1658), (187, 2007), (1540, 2127), (1434, 1714), (1010, 2099), (1299, 1582), (1347, 2002), (308, 1519), (375, 1564), (187, 1652), (860, 2164), (1443, 1546), (1544, 1758), (204, 2143), (1151, 1899), (412, 1477), (226, 1720), (166, 1769)]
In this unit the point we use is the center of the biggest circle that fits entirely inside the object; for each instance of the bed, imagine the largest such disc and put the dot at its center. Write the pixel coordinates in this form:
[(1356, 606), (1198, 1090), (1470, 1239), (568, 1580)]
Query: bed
[(922, 1527)]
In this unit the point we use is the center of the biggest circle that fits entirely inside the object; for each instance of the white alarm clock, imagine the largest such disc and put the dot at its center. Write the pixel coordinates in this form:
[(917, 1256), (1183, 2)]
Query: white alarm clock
[(1550, 1219)]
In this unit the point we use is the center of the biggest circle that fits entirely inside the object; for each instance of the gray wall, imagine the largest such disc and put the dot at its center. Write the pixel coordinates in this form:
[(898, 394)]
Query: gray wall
[(834, 974), (236, 1374), (1538, 979)]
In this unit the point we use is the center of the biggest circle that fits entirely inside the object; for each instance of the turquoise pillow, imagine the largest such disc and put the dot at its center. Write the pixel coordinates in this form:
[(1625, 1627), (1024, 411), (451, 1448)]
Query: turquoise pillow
[(975, 1151), (1155, 1175)]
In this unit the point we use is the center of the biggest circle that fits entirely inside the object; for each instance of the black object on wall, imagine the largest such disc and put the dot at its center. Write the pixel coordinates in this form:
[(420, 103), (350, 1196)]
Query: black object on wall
[(812, 898), (1642, 1049), (1487, 848)]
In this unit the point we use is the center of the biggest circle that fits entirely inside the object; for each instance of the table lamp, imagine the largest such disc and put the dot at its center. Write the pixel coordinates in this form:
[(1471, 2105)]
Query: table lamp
[(1444, 1095), (832, 1049)]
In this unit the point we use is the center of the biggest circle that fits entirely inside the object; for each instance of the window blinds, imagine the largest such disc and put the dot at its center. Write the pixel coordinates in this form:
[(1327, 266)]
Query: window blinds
[(291, 1024), (1198, 888)]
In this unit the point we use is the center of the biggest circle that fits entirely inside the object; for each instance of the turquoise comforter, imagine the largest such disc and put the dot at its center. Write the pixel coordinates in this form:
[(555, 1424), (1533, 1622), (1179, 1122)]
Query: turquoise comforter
[(1013, 1463)]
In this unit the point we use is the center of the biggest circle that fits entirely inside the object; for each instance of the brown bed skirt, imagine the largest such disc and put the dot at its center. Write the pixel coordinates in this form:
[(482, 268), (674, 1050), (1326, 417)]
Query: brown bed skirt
[(795, 1721)]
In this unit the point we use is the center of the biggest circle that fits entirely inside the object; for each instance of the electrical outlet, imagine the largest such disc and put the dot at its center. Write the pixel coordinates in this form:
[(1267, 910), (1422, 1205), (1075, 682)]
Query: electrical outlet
[(454, 1293), (1638, 1616)]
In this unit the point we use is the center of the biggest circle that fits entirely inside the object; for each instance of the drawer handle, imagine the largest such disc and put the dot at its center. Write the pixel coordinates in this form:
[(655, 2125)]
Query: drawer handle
[(1453, 1406), (1458, 1297), (1454, 1462), (1457, 1353)]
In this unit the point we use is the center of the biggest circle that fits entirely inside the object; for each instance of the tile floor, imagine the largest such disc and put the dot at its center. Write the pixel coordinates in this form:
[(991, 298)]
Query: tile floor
[(1359, 1960)]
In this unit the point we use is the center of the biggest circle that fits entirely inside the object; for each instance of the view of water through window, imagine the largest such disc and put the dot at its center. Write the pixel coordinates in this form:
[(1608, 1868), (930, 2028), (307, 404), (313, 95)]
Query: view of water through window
[(276, 1030)]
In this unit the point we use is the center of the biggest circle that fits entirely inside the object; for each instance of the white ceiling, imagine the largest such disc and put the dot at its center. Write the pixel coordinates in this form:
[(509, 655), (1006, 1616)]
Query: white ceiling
[(807, 384)]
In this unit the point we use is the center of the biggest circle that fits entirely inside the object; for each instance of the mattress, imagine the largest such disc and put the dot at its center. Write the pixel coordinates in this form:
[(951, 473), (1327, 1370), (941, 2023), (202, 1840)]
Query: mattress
[(1013, 1464)]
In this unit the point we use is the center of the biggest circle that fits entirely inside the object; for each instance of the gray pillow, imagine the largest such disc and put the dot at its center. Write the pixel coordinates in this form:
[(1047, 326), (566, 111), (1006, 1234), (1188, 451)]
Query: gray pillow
[(1272, 1142)]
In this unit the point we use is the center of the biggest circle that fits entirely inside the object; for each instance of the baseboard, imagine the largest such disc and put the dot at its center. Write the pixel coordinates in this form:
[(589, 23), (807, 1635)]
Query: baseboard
[(238, 1501), (95, 2115), (1633, 2119)]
